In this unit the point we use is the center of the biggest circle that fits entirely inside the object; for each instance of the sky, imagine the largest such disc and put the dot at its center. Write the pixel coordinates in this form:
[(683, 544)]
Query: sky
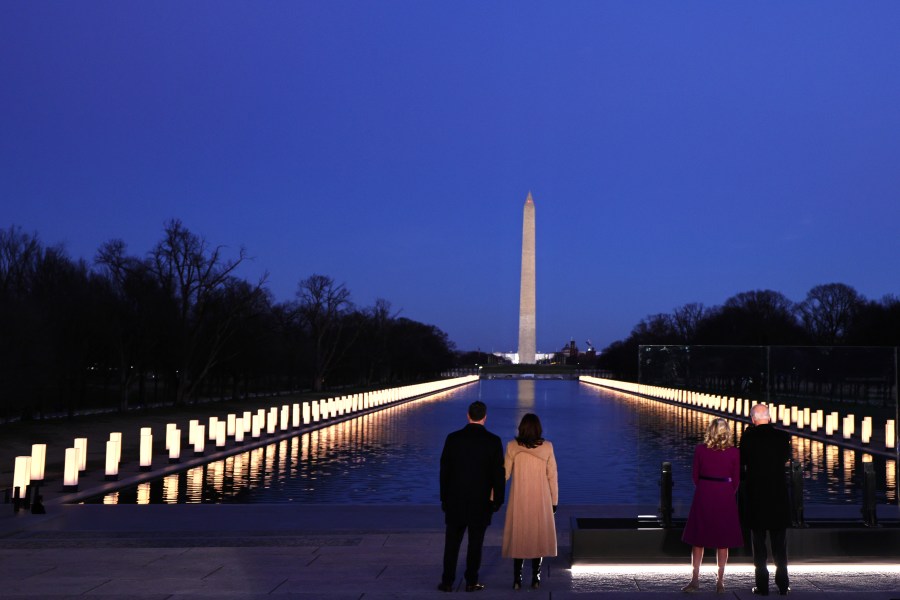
[(677, 152)]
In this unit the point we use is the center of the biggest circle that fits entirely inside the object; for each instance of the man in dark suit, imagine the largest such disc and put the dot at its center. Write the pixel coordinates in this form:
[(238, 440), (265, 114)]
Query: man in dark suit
[(764, 452), (472, 489)]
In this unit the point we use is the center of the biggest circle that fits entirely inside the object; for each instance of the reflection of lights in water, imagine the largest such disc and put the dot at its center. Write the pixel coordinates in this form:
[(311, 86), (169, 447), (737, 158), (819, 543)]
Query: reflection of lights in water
[(143, 493), (112, 498), (282, 456), (238, 472), (849, 465), (816, 448), (170, 489), (832, 453), (256, 456), (228, 477), (216, 475), (194, 484), (269, 471)]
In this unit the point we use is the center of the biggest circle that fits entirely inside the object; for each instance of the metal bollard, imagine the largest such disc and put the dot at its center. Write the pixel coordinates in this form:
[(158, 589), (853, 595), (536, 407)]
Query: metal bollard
[(796, 489), (869, 505), (665, 494)]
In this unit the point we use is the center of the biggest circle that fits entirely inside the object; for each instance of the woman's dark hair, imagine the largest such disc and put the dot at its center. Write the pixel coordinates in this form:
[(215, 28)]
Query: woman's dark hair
[(530, 431)]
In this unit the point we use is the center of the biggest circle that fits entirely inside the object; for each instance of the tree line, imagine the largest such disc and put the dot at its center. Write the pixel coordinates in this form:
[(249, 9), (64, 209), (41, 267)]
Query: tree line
[(833, 314), (177, 324)]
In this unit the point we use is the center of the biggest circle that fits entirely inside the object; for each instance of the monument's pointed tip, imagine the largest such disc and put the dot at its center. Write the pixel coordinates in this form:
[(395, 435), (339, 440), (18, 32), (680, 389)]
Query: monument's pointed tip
[(529, 199)]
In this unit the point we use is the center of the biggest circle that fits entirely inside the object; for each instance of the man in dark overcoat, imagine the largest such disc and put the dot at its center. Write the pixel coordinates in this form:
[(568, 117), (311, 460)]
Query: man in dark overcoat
[(472, 490), (764, 452)]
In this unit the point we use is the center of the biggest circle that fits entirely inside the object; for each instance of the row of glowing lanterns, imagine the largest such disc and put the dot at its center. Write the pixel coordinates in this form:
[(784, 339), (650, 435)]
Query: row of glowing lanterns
[(235, 427), (799, 417)]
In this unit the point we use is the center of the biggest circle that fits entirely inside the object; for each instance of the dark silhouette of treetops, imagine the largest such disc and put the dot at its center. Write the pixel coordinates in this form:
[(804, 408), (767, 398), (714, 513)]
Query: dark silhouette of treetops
[(177, 324)]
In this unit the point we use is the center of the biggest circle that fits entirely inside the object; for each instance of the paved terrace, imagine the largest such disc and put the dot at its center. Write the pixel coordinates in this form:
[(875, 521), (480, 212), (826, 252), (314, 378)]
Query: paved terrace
[(328, 552)]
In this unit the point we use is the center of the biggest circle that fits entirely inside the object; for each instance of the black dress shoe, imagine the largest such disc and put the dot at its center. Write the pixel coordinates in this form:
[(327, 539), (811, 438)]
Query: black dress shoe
[(475, 587), (785, 591), (760, 591), (445, 587)]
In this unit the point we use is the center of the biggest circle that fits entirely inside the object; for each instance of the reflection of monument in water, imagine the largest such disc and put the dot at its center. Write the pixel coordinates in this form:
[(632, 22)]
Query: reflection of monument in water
[(525, 393), (527, 325)]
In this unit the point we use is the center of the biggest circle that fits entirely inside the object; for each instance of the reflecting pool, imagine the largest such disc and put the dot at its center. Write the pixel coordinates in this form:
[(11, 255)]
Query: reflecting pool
[(609, 448)]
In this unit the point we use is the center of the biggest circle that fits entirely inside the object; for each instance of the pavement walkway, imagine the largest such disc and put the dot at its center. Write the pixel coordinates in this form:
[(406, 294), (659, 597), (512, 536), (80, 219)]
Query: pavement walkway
[(329, 552)]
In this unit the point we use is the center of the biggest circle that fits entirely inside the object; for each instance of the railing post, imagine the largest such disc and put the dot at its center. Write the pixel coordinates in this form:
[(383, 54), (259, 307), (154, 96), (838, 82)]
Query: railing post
[(665, 494)]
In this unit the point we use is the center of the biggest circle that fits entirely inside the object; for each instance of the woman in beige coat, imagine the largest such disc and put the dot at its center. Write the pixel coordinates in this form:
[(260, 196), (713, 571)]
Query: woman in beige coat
[(530, 531)]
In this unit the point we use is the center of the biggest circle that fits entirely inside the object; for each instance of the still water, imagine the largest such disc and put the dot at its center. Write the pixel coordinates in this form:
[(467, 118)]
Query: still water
[(609, 448)]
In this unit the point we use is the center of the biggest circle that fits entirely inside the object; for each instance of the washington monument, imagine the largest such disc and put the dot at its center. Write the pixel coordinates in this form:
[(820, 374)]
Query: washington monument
[(527, 326)]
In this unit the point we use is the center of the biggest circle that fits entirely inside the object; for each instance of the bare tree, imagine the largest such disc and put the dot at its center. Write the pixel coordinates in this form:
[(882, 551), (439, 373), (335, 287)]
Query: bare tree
[(196, 277), (19, 253), (828, 311), (323, 307), (686, 321)]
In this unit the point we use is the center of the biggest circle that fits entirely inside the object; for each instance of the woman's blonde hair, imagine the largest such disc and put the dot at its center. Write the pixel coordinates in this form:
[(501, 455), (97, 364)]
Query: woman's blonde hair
[(718, 435)]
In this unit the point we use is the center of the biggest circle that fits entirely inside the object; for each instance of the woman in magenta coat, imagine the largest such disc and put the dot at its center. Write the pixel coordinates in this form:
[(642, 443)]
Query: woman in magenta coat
[(713, 521)]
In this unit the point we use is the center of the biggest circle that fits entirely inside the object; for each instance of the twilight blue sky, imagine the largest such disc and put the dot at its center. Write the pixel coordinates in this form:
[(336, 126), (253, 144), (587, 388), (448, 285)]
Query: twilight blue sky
[(677, 151)]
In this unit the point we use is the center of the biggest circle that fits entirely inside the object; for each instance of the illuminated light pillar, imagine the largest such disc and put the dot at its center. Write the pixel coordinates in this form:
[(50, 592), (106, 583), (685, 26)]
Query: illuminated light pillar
[(70, 472), (866, 430), (221, 434), (890, 434), (231, 425), (248, 421), (527, 324), (295, 416), (285, 417), (786, 418), (272, 420), (848, 427), (256, 427), (22, 475), (81, 444), (170, 427), (175, 446), (200, 440), (192, 431), (315, 411), (146, 451), (213, 427), (172, 432), (306, 413), (239, 430), (112, 460), (38, 460)]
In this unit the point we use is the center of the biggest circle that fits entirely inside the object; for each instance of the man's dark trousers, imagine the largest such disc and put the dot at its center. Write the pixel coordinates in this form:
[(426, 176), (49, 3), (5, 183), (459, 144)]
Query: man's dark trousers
[(777, 538), (452, 542)]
